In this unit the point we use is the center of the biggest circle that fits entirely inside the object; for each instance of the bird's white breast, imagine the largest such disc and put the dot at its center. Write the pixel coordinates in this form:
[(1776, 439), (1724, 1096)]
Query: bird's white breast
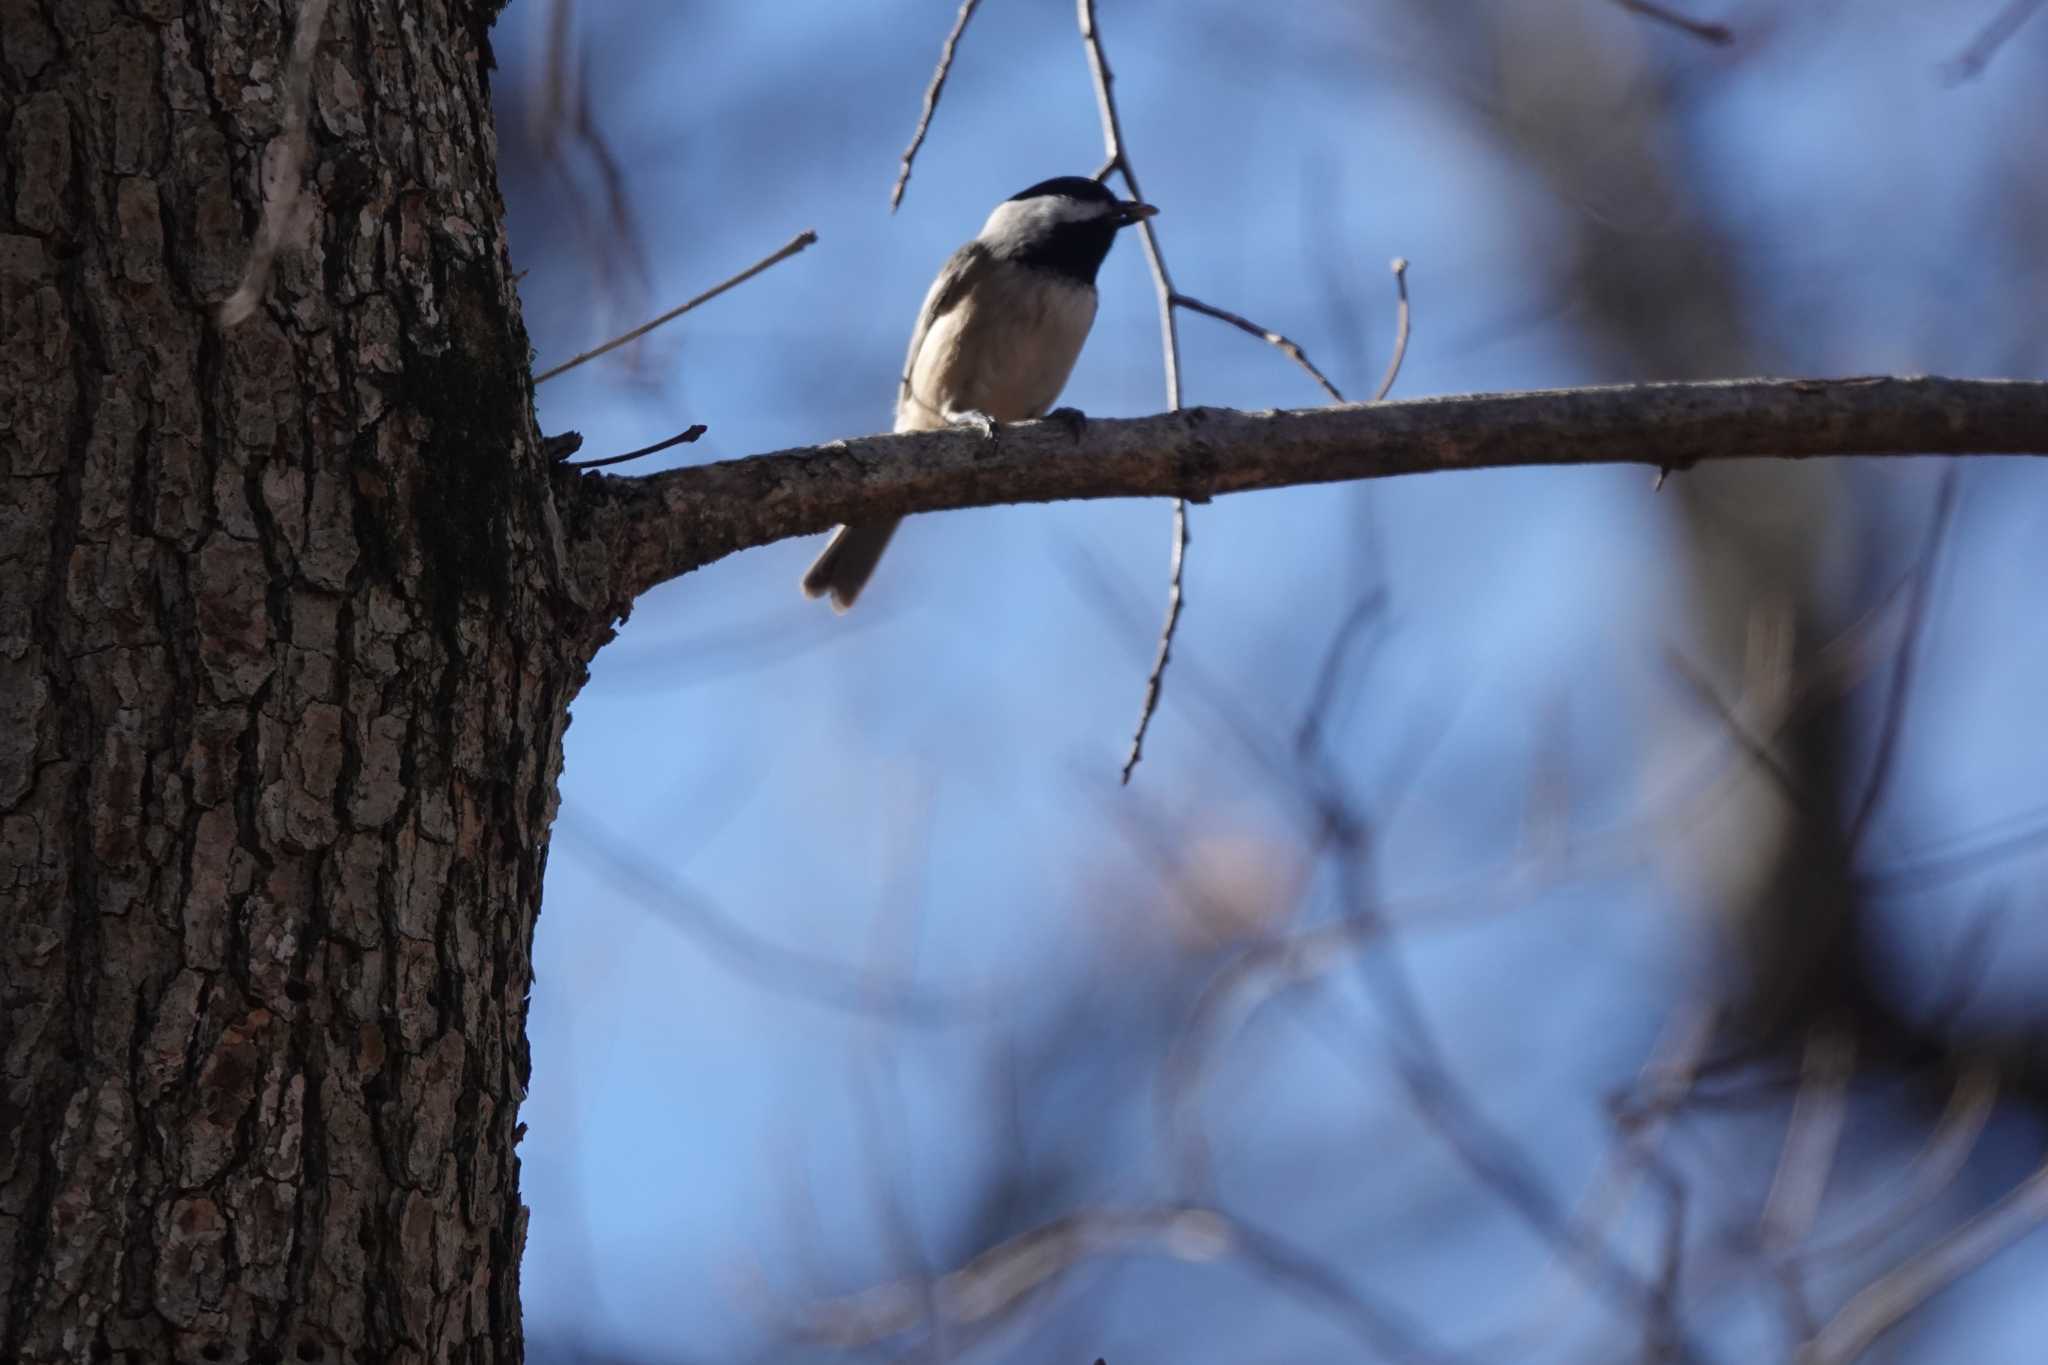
[(1005, 350)]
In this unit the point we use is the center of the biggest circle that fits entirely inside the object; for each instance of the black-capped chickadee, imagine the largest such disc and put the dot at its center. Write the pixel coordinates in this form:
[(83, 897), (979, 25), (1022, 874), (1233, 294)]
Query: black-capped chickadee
[(1000, 330)]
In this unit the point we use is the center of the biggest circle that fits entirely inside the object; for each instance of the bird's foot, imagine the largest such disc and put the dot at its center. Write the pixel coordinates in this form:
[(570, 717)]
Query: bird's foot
[(977, 419), (1073, 419)]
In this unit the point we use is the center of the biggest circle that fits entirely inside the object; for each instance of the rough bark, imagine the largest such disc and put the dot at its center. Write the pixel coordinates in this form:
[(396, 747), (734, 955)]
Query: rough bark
[(285, 657), (642, 531)]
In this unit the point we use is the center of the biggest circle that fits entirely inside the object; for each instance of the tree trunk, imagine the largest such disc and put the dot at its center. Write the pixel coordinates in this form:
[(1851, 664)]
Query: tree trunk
[(286, 649)]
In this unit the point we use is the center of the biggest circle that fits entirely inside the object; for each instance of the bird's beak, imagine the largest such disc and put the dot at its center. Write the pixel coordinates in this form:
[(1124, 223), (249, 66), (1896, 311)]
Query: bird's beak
[(1130, 211)]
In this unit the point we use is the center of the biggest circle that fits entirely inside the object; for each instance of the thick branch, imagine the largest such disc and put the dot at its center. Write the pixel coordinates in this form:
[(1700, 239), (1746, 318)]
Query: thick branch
[(654, 528)]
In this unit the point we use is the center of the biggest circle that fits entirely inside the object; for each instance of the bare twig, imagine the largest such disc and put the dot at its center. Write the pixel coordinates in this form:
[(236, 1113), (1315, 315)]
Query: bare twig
[(285, 206), (1401, 321), (788, 249), (1968, 64), (1118, 160), (1265, 334), (931, 99), (1718, 34), (1155, 678), (1881, 1305), (1903, 670), (1176, 598), (683, 437)]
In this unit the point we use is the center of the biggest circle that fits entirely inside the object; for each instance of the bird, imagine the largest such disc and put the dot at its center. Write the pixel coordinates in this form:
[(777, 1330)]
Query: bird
[(997, 337)]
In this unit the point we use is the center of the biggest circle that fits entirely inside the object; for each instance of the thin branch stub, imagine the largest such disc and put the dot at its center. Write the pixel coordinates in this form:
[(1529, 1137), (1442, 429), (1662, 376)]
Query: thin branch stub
[(789, 248)]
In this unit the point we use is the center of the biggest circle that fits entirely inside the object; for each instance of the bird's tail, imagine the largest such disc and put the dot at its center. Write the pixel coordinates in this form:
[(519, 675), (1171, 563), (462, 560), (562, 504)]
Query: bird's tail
[(848, 560)]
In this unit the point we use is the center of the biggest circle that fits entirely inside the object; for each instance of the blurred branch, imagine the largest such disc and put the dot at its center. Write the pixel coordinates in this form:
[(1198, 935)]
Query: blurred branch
[(1718, 34), (1880, 1306), (931, 99), (1493, 1159), (1641, 1119), (638, 532), (1903, 666), (561, 122), (1933, 1170), (1969, 64), (998, 1281), (1953, 860), (788, 249), (786, 970), (1812, 1138), (1755, 746), (1420, 1062), (1370, 607), (878, 1085)]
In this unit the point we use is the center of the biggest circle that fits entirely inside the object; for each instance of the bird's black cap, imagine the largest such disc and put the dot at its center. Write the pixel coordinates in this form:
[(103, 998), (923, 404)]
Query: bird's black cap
[(1075, 248), (1070, 186)]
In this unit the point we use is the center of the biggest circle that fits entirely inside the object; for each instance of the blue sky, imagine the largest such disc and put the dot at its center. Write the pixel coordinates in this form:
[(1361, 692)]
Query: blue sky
[(928, 785)]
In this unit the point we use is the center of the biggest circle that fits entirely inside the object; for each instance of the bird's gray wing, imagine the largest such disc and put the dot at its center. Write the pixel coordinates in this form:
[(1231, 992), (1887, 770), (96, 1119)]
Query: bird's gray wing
[(962, 272)]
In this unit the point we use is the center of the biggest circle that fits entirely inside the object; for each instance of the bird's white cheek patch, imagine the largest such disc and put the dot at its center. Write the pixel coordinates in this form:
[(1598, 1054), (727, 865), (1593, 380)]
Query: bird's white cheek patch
[(1028, 218)]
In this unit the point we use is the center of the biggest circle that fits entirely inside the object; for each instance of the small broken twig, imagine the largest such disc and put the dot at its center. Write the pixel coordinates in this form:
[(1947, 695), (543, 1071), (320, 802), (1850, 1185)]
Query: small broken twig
[(1399, 266), (683, 437), (789, 248), (931, 100)]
